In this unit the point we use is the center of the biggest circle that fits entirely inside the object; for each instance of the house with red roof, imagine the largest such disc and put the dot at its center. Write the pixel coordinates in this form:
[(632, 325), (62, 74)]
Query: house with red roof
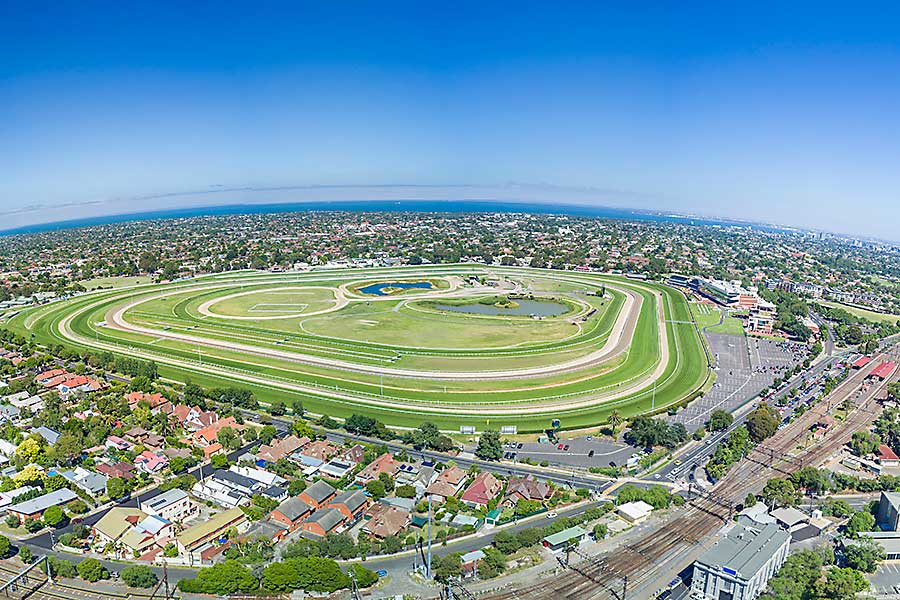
[(447, 484), (157, 402), (887, 457), (151, 462), (482, 490), (383, 464)]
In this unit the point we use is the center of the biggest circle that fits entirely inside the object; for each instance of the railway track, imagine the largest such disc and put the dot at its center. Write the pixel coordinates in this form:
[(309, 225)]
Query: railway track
[(642, 560)]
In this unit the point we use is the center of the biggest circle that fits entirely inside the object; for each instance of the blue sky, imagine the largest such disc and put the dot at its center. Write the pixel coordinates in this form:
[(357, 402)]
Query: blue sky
[(766, 112)]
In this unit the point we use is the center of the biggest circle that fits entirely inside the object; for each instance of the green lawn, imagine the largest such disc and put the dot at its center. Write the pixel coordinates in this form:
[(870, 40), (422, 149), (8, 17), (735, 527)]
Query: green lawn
[(535, 342), (871, 315), (115, 282)]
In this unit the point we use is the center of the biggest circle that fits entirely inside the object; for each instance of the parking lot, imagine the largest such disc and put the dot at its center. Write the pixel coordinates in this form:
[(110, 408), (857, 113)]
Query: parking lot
[(886, 580), (575, 452), (743, 367)]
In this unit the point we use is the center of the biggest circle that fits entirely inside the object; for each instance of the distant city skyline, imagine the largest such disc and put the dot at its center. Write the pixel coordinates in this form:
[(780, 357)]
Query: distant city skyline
[(765, 113)]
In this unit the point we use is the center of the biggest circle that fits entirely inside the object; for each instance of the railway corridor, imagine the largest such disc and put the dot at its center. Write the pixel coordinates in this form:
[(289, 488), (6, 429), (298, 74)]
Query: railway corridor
[(651, 560)]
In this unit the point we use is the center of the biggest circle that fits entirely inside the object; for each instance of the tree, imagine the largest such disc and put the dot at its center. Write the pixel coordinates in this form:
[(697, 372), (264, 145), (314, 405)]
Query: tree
[(860, 521), (864, 554), (364, 577), (53, 516), (614, 419), (376, 489), (780, 492), (446, 567), (277, 408), (762, 422), (388, 482), (749, 500), (267, 434), (138, 576), (25, 554), (229, 439), (226, 577), (116, 488), (719, 420), (4, 546), (489, 446), (405, 491), (219, 461), (281, 577), (91, 569), (600, 531), (864, 442), (843, 584)]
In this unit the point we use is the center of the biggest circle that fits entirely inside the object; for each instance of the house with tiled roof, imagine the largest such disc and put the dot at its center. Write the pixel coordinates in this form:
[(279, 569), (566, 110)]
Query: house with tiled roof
[(318, 494), (383, 520), (281, 448), (383, 464), (157, 402), (323, 522), (151, 462), (351, 503), (320, 450), (525, 488), (291, 513), (206, 437), (482, 490), (448, 483), (116, 469)]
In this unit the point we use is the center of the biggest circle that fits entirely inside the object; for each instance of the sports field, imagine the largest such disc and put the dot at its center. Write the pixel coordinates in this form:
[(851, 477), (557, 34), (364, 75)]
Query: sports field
[(454, 344)]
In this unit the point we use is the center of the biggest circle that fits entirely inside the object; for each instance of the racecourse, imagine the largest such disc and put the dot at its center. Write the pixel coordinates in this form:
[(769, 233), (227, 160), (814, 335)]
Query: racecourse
[(454, 344)]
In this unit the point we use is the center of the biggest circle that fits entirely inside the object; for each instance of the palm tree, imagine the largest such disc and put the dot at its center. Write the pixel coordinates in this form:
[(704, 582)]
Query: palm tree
[(614, 419)]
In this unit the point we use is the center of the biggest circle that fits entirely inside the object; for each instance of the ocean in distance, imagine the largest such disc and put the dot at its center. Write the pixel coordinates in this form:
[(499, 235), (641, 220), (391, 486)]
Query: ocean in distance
[(420, 206)]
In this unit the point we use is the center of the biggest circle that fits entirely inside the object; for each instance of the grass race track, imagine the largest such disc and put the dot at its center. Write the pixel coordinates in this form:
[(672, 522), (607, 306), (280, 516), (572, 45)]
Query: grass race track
[(453, 344)]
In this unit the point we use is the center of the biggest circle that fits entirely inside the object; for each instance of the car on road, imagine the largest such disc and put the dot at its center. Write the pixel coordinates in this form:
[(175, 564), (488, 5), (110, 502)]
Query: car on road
[(656, 476), (559, 447), (381, 573), (566, 447), (551, 515), (677, 461)]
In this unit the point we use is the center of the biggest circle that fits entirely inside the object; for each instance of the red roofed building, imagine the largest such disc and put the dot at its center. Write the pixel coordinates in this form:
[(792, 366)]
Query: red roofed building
[(861, 362), (887, 457), (46, 376), (383, 464), (884, 370), (482, 490), (157, 402)]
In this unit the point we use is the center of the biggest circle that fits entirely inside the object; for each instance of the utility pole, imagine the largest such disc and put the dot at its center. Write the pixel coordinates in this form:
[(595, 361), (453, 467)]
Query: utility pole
[(428, 560)]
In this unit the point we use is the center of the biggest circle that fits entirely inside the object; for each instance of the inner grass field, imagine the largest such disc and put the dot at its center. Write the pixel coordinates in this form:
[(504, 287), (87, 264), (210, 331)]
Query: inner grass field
[(393, 357)]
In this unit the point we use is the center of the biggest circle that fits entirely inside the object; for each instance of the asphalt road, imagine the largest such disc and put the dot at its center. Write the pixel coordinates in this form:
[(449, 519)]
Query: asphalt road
[(701, 452), (43, 540), (401, 564)]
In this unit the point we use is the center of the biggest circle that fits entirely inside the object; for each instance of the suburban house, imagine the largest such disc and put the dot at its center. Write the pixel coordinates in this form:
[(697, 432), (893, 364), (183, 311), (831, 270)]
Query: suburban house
[(282, 448), (482, 490), (525, 488), (383, 464), (291, 513), (320, 450), (157, 402), (139, 435), (264, 477), (318, 494), (194, 540), (351, 503), (48, 434), (384, 520), (90, 481), (447, 484), (116, 523), (116, 469), (34, 508), (323, 522), (151, 462), (173, 505)]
